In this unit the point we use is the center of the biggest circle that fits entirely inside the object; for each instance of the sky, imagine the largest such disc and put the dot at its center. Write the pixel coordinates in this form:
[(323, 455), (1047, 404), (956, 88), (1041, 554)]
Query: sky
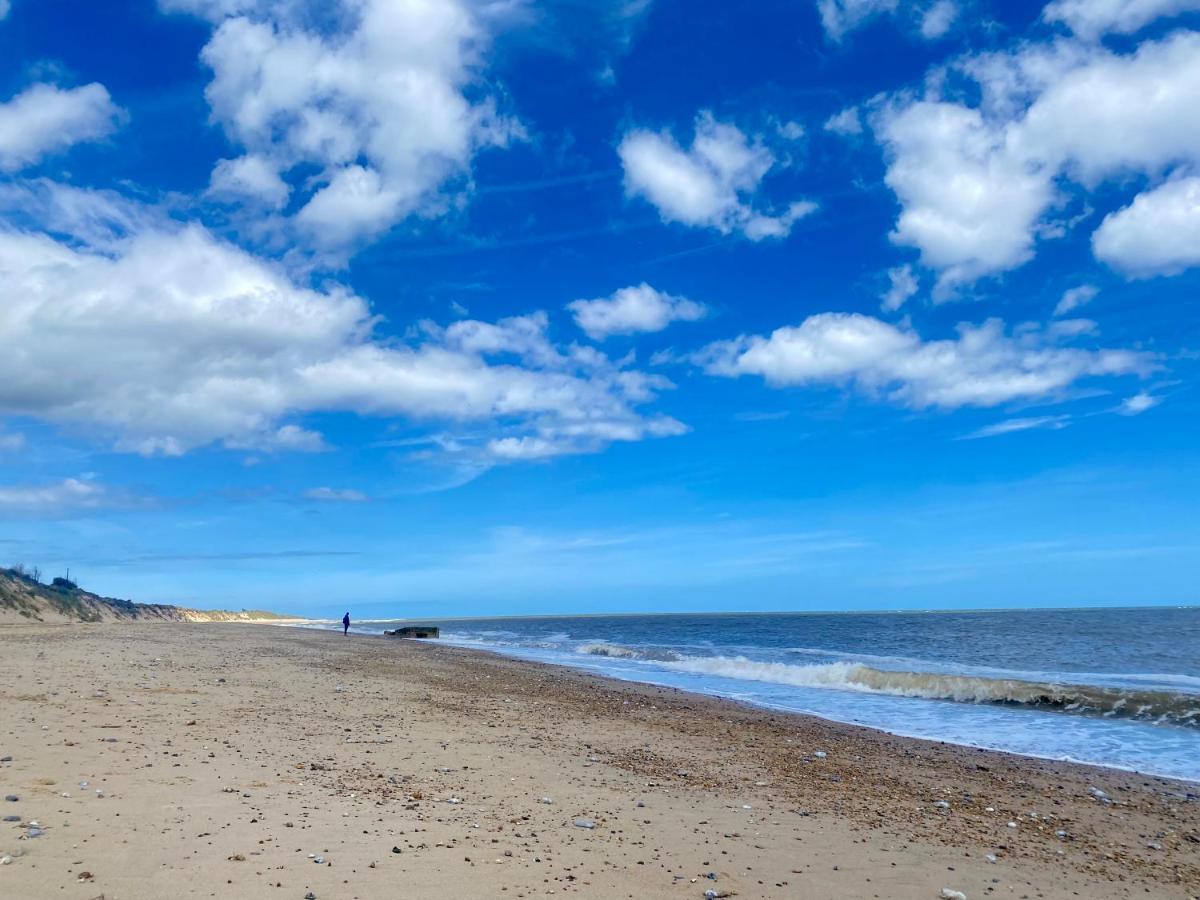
[(484, 307)]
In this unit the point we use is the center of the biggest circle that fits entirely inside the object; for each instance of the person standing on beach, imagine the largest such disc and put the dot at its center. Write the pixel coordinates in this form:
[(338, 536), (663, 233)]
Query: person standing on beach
[(345, 624)]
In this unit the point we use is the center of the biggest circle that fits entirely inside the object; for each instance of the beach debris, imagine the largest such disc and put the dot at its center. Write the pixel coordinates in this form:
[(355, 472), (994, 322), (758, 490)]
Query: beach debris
[(990, 857), (820, 754), (318, 860), (546, 800), (1063, 834), (12, 818), (942, 804), (714, 894), (5, 860), (584, 823), (951, 894), (33, 830), (1099, 795), (310, 896)]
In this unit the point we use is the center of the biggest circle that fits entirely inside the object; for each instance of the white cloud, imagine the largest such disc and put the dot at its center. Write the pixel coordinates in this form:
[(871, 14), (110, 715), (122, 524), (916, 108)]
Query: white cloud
[(336, 495), (842, 16), (975, 182), (45, 119), (931, 19), (11, 441), (1093, 18), (250, 177), (846, 123), (1138, 404), (983, 366), (903, 285), (712, 184), (1075, 297), (938, 19), (1157, 234), (68, 495), (167, 338), (1009, 426), (5, 8), (386, 106), (639, 308), (967, 204)]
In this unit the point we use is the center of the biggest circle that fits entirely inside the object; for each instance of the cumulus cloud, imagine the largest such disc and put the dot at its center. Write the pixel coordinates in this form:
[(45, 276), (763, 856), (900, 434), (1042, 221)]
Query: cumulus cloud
[(975, 182), (167, 338), (714, 183), (249, 177), (903, 284), (1157, 234), (379, 105), (1075, 297), (335, 495), (45, 119), (1093, 18), (983, 366), (639, 308)]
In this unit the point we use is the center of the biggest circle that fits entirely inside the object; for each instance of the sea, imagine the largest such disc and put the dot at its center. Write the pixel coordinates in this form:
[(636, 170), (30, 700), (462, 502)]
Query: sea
[(1113, 687)]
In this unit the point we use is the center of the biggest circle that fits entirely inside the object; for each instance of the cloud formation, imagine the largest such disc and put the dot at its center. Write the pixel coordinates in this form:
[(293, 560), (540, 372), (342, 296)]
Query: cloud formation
[(1094, 18), (715, 183), (378, 105), (976, 182), (45, 119), (1157, 234), (983, 366), (58, 497), (166, 338), (634, 309)]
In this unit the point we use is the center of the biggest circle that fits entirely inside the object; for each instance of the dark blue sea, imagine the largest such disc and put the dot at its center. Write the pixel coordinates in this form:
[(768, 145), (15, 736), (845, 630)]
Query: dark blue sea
[(1116, 687)]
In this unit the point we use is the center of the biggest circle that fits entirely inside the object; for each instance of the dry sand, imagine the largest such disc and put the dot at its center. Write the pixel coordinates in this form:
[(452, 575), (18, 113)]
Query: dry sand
[(229, 756)]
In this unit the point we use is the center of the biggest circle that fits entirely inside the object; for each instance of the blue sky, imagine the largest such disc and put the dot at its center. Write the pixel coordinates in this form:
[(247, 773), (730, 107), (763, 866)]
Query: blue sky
[(504, 306)]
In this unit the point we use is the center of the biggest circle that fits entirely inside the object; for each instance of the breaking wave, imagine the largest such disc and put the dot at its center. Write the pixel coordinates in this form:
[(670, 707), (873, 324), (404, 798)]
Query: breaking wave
[(619, 651), (1160, 707)]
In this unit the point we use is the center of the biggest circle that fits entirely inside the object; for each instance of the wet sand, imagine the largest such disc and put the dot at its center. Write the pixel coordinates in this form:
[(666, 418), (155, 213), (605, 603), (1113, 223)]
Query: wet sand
[(230, 757)]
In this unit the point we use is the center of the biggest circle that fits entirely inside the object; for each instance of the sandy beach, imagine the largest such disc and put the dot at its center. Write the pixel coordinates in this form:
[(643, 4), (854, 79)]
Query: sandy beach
[(245, 761)]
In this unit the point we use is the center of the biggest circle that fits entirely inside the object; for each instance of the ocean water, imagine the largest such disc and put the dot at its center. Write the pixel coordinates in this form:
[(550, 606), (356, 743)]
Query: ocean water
[(1115, 687)]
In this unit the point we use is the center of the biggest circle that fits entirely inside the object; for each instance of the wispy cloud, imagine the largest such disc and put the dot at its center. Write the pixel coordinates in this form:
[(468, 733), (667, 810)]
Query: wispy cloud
[(336, 495), (70, 495), (1009, 426)]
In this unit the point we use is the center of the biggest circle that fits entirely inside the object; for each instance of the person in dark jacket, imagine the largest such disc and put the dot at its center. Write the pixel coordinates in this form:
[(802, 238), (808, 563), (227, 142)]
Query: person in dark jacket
[(345, 624)]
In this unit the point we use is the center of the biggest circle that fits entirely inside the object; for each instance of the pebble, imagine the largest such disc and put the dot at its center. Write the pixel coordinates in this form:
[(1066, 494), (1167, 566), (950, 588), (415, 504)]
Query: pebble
[(547, 800), (991, 857), (310, 896), (5, 860), (12, 798), (951, 894), (942, 804), (12, 818), (820, 754), (5, 759), (584, 823)]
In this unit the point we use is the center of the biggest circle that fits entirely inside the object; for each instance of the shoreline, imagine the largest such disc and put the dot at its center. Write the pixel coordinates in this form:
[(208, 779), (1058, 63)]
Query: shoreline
[(579, 668), (347, 739)]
